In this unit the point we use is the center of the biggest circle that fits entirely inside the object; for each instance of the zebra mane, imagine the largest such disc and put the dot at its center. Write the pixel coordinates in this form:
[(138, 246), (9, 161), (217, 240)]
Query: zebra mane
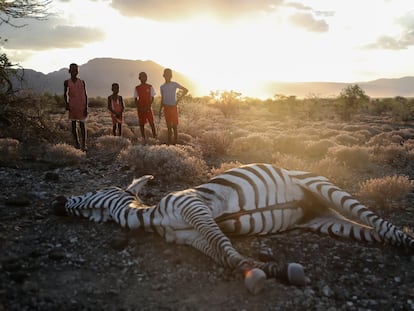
[(137, 184)]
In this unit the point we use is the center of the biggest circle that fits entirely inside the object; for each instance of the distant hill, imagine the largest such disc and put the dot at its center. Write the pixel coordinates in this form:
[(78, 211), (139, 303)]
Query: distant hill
[(99, 75), (377, 88)]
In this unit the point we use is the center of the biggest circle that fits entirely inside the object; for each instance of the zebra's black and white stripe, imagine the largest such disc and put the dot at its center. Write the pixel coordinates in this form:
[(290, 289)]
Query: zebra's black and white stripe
[(255, 199)]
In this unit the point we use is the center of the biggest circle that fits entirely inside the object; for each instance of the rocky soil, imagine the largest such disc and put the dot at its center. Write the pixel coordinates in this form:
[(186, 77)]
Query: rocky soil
[(63, 263)]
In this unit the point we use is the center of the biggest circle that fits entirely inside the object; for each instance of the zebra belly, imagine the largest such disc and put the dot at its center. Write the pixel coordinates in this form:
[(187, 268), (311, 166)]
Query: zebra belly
[(261, 221)]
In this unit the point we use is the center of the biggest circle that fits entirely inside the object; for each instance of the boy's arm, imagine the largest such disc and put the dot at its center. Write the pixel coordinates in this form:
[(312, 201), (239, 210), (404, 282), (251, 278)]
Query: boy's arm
[(121, 100), (65, 94), (184, 92), (109, 104), (161, 105), (86, 94), (86, 99)]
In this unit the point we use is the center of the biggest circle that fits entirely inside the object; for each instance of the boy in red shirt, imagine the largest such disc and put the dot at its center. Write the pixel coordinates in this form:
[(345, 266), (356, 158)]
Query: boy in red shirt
[(116, 108), (144, 97), (76, 101)]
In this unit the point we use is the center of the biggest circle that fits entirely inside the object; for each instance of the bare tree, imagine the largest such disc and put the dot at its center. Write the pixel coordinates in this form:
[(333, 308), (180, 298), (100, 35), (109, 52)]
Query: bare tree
[(10, 11)]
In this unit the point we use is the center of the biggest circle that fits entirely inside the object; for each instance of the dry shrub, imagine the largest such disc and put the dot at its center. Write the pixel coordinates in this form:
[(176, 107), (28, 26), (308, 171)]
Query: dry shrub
[(331, 168), (163, 134), (382, 191), (355, 157), (127, 133), (346, 139), (255, 146), (92, 129), (214, 143), (311, 131), (396, 139), (173, 163), (184, 138), (395, 155), (9, 150), (363, 135), (354, 128), (329, 133), (292, 144), (380, 139), (223, 167), (406, 133), (239, 132), (319, 148), (109, 146), (197, 117), (336, 171), (409, 144), (289, 162), (63, 154)]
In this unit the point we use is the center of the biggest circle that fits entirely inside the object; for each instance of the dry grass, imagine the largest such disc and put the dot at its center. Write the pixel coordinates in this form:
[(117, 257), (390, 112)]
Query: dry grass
[(9, 150), (223, 167), (357, 157), (63, 154), (171, 163), (331, 168), (214, 143), (395, 155), (108, 147), (319, 148), (254, 148), (382, 191)]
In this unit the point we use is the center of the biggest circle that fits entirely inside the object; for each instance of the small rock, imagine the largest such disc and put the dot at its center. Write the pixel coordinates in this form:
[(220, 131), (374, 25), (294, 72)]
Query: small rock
[(57, 254), (19, 276), (18, 201), (119, 242), (327, 291), (50, 176)]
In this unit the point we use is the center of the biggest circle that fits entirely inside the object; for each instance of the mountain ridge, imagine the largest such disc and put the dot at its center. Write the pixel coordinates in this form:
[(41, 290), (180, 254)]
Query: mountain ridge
[(100, 73)]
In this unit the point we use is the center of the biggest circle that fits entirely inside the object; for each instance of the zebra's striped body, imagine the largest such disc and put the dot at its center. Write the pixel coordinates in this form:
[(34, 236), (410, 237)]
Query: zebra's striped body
[(255, 199)]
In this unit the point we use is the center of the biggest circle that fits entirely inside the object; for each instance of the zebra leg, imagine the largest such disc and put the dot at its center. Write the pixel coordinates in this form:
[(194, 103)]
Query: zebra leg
[(215, 244), (344, 203)]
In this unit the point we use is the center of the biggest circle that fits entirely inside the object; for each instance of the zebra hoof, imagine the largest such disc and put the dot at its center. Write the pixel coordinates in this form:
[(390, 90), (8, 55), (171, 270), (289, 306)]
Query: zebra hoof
[(58, 206), (254, 280), (296, 274)]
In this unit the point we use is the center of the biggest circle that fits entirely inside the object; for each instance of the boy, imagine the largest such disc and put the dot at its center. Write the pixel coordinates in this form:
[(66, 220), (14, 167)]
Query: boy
[(144, 97), (116, 108), (169, 101), (76, 101)]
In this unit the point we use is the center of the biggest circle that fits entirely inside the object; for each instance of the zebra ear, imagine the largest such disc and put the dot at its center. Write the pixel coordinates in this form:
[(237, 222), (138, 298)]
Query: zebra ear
[(138, 183)]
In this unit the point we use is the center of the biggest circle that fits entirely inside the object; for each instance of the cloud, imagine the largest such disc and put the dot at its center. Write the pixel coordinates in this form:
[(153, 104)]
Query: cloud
[(402, 41), (43, 35), (173, 10), (391, 43), (298, 6), (309, 22)]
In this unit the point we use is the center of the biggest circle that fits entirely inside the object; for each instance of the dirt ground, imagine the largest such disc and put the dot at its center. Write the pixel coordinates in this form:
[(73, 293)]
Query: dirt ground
[(66, 263)]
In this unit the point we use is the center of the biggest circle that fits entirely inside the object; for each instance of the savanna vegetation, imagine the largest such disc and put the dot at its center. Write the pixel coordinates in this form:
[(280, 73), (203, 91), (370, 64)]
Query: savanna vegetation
[(364, 145)]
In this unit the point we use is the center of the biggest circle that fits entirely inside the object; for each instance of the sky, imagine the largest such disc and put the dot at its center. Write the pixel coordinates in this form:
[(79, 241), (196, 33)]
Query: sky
[(226, 44)]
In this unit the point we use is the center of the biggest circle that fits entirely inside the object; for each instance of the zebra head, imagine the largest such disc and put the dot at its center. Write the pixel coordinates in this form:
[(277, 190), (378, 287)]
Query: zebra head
[(137, 184)]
